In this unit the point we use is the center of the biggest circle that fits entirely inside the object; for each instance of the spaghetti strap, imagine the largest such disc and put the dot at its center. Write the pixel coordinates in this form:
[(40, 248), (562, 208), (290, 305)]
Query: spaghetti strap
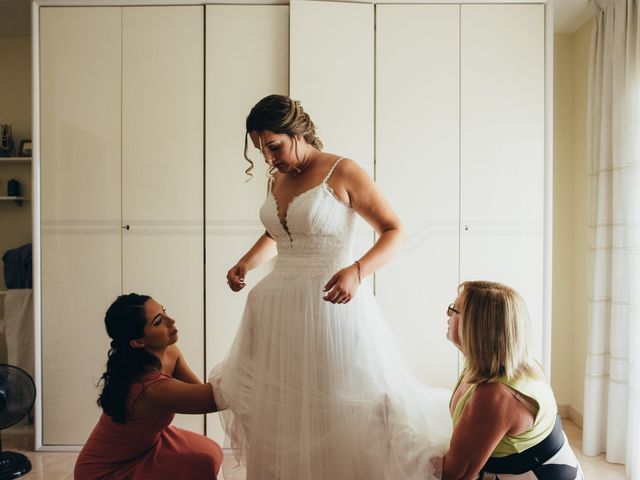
[(335, 164), (137, 388)]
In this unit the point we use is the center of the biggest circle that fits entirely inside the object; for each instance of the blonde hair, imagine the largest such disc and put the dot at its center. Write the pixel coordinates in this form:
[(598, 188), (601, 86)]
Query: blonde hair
[(494, 331), (279, 114)]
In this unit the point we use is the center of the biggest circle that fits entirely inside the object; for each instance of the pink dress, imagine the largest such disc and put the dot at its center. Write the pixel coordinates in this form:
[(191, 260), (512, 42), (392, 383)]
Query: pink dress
[(146, 448)]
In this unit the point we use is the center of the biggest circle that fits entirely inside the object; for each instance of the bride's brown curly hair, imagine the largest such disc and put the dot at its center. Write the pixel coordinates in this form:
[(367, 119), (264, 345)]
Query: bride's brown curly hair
[(279, 114)]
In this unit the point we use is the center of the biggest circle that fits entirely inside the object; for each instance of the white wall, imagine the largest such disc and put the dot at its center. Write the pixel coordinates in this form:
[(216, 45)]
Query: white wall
[(570, 288), (15, 109)]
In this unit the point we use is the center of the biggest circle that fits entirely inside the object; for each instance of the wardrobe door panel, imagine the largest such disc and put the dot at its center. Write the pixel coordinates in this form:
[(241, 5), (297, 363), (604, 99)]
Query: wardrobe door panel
[(417, 167), (162, 168), (332, 74), (162, 115), (80, 211), (167, 267), (80, 113), (247, 58), (79, 281), (502, 149)]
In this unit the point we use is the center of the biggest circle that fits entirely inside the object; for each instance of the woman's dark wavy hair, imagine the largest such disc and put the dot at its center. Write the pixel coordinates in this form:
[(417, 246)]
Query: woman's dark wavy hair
[(125, 321), (279, 114)]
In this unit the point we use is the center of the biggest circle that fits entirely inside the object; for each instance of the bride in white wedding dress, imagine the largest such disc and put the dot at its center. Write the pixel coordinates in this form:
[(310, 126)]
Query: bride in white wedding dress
[(314, 384)]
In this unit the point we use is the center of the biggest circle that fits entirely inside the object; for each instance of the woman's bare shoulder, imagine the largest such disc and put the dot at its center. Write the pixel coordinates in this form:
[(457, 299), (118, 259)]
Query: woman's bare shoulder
[(490, 395), (350, 172)]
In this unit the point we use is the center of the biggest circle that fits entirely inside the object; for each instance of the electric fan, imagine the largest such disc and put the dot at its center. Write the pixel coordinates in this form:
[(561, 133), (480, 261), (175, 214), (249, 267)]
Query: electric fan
[(17, 394)]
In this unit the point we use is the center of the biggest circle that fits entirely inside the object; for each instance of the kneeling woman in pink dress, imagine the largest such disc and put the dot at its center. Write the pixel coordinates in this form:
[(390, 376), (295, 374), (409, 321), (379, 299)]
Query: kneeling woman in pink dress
[(146, 383)]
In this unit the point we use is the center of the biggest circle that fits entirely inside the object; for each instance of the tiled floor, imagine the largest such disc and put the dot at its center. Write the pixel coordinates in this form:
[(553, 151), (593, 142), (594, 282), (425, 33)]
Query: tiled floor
[(595, 468), (59, 465)]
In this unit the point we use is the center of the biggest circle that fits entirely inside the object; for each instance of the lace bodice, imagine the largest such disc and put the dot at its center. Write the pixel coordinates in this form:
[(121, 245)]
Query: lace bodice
[(317, 228)]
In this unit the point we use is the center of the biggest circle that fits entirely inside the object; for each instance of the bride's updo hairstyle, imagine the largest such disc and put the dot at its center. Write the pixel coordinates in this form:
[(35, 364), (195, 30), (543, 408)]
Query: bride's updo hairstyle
[(280, 114)]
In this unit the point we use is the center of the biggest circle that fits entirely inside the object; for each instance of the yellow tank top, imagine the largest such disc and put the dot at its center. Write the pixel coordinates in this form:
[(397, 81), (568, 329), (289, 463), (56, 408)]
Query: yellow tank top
[(536, 389)]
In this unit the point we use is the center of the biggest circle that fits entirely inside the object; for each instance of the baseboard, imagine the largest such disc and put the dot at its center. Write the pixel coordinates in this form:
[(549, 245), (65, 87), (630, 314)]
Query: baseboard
[(563, 411), (567, 411), (575, 417)]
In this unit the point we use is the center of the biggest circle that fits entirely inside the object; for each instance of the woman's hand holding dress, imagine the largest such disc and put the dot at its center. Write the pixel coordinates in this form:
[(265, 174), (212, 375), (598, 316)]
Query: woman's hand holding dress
[(261, 251), (342, 287), (235, 276)]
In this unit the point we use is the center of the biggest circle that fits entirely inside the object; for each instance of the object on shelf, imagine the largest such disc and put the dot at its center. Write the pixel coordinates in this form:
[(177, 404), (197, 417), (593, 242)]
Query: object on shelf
[(6, 140), (13, 188), (25, 148)]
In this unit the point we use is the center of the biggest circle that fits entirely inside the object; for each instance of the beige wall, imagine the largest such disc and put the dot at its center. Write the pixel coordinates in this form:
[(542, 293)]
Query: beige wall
[(581, 42), (563, 270), (570, 286), (15, 108)]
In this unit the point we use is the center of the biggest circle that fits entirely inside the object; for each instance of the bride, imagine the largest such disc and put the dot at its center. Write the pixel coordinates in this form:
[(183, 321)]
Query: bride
[(314, 384)]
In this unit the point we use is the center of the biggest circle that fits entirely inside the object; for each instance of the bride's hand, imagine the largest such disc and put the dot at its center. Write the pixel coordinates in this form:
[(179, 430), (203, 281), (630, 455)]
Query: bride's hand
[(342, 287), (235, 276)]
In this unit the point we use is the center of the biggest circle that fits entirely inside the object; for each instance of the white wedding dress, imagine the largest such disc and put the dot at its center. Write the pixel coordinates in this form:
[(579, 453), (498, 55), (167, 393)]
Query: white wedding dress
[(317, 391)]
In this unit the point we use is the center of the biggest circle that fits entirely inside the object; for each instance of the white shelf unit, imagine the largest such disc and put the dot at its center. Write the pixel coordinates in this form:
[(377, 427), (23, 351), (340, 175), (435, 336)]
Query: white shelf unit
[(15, 159), (18, 200)]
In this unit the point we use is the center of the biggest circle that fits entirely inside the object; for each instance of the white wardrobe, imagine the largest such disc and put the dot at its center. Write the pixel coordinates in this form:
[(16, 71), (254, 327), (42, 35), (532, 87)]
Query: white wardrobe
[(121, 206), (447, 102), (460, 152), (141, 173)]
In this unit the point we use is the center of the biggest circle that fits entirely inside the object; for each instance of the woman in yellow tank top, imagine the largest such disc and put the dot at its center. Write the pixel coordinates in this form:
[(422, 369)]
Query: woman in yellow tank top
[(506, 424)]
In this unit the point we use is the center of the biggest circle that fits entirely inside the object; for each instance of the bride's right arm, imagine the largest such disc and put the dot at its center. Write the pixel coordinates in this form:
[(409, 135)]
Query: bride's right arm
[(262, 251)]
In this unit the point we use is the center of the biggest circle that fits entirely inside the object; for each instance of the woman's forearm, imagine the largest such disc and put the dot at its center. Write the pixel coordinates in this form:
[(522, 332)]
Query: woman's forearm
[(385, 248), (452, 471), (262, 251)]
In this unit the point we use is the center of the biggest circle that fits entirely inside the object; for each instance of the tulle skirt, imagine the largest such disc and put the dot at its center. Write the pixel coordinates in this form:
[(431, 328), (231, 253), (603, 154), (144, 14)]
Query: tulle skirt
[(317, 391)]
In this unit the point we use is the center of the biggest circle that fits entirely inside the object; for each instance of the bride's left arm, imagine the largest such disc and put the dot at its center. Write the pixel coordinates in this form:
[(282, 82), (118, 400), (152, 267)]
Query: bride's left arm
[(368, 201)]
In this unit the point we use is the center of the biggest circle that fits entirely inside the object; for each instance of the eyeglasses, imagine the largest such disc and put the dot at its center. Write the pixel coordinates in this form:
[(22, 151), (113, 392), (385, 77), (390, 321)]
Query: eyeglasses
[(451, 310)]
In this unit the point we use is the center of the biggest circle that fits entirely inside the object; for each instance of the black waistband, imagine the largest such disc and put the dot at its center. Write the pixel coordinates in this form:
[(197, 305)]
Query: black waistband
[(529, 459)]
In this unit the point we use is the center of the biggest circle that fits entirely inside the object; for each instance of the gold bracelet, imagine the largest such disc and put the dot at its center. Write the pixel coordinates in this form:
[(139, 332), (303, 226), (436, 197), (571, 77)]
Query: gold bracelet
[(359, 277)]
